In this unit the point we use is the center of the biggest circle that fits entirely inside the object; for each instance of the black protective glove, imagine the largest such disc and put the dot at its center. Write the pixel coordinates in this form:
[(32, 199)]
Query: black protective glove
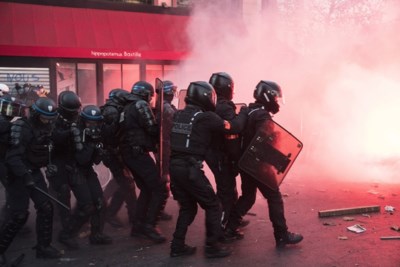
[(76, 134), (244, 110), (28, 180), (51, 170)]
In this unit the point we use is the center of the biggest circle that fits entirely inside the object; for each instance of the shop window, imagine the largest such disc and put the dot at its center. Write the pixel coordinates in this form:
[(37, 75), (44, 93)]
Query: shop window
[(112, 78), (66, 77), (87, 83), (130, 75)]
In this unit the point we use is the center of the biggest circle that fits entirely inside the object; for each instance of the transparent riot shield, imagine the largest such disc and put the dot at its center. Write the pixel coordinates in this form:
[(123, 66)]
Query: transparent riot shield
[(159, 115), (270, 154)]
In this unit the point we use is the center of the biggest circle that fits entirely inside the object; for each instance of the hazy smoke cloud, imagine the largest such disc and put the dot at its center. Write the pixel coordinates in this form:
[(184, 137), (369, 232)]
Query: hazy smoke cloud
[(338, 66)]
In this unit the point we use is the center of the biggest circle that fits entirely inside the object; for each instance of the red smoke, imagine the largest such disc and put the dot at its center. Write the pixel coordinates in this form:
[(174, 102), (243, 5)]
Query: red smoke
[(338, 66)]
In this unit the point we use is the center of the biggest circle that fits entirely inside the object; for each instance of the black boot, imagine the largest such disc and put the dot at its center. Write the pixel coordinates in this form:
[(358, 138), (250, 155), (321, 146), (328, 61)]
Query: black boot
[(48, 252), (67, 240), (99, 239), (216, 251), (230, 235), (182, 250), (153, 233), (137, 230), (288, 238)]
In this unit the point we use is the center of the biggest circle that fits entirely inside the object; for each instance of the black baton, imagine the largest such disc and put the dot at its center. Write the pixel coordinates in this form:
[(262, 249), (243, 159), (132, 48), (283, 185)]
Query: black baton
[(52, 198)]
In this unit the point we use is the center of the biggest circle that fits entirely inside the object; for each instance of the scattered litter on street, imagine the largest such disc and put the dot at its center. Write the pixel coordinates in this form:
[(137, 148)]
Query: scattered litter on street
[(346, 211), (329, 224), (356, 229), (395, 227), (348, 218), (390, 237), (343, 237), (389, 208)]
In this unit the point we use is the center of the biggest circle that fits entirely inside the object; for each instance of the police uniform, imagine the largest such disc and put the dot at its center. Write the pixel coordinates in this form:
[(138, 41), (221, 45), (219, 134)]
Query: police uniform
[(126, 191), (29, 151), (139, 136), (94, 206), (266, 94), (191, 138)]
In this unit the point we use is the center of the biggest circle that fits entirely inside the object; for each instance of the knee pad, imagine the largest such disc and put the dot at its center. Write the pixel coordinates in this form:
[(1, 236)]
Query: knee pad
[(20, 217), (100, 204), (86, 210), (45, 207)]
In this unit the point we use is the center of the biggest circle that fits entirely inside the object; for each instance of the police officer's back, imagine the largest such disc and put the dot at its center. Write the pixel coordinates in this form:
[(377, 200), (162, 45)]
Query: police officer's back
[(190, 140)]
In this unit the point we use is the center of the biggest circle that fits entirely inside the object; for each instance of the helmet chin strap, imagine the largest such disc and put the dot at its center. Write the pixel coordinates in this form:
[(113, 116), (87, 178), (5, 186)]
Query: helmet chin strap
[(266, 97)]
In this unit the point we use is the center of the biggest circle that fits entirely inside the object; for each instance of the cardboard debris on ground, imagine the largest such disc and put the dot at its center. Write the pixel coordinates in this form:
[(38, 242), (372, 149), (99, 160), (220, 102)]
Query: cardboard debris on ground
[(329, 223), (389, 208), (356, 229), (395, 227), (390, 237), (346, 211)]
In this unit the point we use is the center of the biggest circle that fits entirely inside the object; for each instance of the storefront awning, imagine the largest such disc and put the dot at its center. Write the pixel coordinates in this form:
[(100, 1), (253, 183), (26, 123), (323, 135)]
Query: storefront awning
[(64, 32)]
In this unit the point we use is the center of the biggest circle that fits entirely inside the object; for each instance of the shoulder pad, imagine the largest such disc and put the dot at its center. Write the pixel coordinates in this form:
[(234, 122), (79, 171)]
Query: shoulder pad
[(141, 104), (16, 131)]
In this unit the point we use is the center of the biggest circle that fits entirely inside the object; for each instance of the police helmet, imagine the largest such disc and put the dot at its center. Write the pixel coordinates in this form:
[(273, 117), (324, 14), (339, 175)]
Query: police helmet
[(118, 95), (45, 108), (144, 90), (268, 93), (92, 120), (169, 88), (69, 105), (91, 113), (201, 94), (4, 89), (223, 84), (11, 107)]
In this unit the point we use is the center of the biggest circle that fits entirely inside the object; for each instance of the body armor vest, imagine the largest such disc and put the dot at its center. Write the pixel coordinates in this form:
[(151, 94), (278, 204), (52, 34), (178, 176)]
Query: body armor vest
[(181, 133)]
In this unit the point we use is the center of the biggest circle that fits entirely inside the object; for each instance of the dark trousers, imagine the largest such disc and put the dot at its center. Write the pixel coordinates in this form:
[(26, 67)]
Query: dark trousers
[(18, 197), (69, 179), (190, 187), (153, 191), (225, 174), (126, 191), (248, 198)]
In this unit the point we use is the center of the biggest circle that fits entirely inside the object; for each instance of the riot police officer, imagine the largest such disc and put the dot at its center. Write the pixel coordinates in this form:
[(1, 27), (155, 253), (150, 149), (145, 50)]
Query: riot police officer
[(266, 95), (139, 135), (63, 176), (94, 205), (125, 191), (190, 140), (29, 151), (224, 154), (9, 110)]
